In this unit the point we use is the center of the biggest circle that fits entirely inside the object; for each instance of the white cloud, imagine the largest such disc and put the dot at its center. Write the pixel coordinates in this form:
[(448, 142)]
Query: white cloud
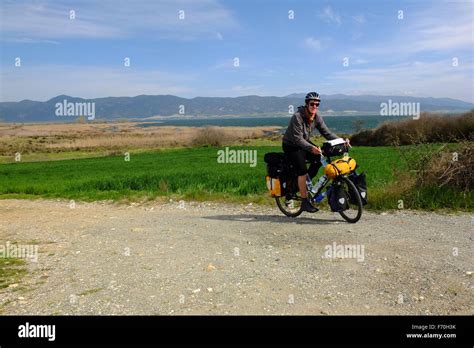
[(360, 61), (45, 82), (441, 28), (229, 64), (359, 19), (312, 43), (329, 16), (435, 37), (432, 79), (27, 40), (116, 19)]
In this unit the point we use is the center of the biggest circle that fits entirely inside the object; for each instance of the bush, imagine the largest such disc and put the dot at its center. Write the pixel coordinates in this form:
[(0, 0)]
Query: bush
[(452, 169), (212, 136), (432, 176), (429, 128)]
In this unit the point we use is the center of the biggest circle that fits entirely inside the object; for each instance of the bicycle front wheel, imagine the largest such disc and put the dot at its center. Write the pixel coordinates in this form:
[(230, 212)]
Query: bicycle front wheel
[(354, 210)]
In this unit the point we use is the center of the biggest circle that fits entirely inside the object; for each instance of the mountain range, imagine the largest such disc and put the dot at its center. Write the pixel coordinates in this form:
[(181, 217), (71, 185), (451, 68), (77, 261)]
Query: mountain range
[(146, 106)]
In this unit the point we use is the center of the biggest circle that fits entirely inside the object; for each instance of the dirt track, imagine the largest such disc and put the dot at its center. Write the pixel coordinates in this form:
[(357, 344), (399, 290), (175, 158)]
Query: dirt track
[(209, 258)]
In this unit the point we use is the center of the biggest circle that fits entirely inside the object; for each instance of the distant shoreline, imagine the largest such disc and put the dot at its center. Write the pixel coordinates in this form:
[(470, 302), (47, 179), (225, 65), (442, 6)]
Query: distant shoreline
[(73, 120)]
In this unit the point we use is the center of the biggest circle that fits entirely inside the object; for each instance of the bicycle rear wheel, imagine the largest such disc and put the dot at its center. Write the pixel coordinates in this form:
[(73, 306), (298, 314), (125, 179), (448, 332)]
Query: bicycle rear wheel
[(290, 207), (354, 211), (290, 204)]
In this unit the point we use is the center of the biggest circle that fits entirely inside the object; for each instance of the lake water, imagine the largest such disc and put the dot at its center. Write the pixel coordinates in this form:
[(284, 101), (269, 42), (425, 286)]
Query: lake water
[(338, 124)]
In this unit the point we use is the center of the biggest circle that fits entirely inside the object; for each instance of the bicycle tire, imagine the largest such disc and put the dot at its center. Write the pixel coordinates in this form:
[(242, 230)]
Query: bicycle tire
[(284, 210), (356, 195)]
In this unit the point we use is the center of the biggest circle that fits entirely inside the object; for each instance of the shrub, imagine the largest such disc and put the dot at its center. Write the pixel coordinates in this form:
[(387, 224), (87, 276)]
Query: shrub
[(452, 169), (212, 136), (448, 166), (429, 128)]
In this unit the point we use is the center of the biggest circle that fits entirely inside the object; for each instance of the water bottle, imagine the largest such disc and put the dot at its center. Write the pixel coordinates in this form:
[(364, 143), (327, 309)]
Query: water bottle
[(321, 196), (319, 184), (323, 161)]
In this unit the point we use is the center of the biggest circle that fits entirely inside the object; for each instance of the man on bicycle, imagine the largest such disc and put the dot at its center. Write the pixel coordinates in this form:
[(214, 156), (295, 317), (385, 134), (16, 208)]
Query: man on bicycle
[(299, 148)]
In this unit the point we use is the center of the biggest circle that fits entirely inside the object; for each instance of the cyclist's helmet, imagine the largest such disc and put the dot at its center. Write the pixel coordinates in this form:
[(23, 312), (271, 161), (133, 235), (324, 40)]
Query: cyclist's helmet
[(312, 96)]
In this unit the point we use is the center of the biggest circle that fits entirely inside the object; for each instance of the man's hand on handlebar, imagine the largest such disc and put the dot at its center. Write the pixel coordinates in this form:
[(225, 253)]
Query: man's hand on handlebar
[(316, 150), (348, 142)]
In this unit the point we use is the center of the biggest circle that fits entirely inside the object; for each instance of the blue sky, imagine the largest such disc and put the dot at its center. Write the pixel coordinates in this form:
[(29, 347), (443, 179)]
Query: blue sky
[(428, 52)]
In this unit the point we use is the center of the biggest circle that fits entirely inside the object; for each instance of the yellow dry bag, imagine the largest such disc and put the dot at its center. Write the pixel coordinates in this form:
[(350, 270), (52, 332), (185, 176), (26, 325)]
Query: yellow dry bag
[(341, 166)]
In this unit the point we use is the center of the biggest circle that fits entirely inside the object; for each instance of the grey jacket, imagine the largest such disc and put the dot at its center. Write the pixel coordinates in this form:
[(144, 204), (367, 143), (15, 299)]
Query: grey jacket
[(299, 131)]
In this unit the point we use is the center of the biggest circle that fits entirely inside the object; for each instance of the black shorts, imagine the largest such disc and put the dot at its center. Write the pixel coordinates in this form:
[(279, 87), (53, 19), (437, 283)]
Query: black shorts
[(298, 158)]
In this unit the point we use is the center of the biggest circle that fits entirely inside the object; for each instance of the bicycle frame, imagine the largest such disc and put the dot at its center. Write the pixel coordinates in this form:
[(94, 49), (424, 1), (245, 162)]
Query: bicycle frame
[(324, 162)]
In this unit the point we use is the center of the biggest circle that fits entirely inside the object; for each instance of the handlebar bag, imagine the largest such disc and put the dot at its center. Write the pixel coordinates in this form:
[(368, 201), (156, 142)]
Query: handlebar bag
[(336, 147)]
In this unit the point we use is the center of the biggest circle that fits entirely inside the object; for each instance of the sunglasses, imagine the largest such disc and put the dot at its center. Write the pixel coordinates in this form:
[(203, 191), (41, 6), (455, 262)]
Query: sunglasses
[(313, 104)]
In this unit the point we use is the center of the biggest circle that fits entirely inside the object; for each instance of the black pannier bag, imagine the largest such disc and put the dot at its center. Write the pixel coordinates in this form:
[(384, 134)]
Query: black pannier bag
[(275, 164), (338, 199), (289, 186), (360, 183), (336, 147)]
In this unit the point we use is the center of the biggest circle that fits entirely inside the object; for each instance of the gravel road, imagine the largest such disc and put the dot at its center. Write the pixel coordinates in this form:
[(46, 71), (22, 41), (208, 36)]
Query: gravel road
[(211, 258)]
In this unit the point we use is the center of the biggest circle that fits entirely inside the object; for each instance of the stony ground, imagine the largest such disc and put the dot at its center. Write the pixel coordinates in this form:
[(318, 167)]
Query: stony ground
[(210, 258)]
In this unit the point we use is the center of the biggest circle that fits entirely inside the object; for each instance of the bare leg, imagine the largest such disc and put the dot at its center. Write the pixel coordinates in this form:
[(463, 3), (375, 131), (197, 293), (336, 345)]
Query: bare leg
[(305, 203), (302, 186)]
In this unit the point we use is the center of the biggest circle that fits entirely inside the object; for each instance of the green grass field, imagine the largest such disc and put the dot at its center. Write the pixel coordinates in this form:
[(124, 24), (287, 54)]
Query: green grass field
[(193, 173)]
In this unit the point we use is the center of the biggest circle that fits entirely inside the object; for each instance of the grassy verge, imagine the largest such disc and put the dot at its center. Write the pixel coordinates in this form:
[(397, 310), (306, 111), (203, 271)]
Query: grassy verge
[(193, 173), (11, 270)]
